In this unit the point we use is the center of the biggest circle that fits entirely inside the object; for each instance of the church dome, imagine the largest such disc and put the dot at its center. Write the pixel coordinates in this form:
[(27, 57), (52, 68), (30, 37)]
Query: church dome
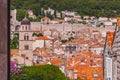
[(25, 21)]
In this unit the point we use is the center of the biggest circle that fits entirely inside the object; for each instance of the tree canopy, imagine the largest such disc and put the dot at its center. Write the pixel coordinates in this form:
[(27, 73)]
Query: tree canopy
[(46, 72), (96, 8), (14, 42), (21, 14)]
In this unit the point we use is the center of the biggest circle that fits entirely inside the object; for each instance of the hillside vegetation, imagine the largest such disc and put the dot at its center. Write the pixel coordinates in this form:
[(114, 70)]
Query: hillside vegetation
[(46, 72), (109, 8)]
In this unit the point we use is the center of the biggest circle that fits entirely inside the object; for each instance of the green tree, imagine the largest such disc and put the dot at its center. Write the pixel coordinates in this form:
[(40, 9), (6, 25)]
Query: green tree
[(37, 34), (50, 16), (83, 7), (14, 42), (46, 72), (21, 14), (36, 9), (64, 41), (17, 3), (55, 14), (70, 38)]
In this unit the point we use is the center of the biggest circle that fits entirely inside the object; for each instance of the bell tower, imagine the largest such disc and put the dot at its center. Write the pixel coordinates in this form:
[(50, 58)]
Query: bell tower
[(25, 39)]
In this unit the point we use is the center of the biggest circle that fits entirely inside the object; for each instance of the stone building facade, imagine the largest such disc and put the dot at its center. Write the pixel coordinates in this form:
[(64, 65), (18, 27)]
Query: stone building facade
[(116, 52), (108, 57), (113, 52), (25, 39)]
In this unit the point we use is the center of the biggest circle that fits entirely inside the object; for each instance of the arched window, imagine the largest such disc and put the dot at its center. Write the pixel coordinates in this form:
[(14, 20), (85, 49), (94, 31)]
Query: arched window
[(26, 37), (17, 27), (26, 27)]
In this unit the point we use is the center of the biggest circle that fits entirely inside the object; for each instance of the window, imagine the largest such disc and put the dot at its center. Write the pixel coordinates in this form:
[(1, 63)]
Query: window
[(26, 57), (11, 17), (83, 76), (17, 28), (26, 27), (95, 75), (26, 47), (109, 52), (26, 37)]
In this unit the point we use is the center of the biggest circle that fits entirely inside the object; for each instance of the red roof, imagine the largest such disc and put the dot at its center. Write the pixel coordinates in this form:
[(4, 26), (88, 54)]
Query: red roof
[(43, 38), (110, 36)]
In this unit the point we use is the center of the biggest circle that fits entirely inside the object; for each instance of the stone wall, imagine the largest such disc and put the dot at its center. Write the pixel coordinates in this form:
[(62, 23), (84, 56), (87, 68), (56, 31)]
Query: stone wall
[(3, 40)]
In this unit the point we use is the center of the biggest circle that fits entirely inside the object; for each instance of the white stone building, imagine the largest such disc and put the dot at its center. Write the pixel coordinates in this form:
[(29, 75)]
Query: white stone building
[(102, 19), (31, 15), (25, 40)]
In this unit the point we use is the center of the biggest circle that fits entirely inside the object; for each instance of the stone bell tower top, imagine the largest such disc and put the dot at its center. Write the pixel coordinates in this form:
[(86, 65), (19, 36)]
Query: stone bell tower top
[(25, 21), (25, 25)]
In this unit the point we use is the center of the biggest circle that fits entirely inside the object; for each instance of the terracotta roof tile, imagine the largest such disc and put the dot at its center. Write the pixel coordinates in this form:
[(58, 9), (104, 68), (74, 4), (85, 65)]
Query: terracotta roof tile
[(118, 21), (41, 64), (110, 36), (43, 38), (14, 51), (97, 45), (95, 31), (79, 41), (56, 61), (86, 68), (36, 31)]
